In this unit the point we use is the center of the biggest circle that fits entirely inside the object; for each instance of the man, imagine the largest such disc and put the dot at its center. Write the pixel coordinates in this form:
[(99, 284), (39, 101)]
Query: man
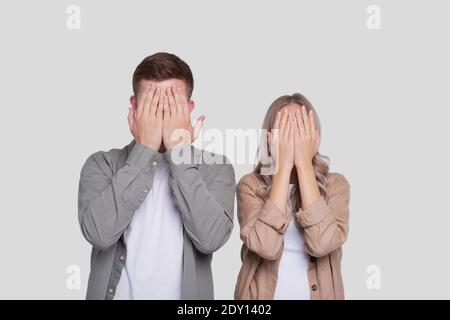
[(154, 220)]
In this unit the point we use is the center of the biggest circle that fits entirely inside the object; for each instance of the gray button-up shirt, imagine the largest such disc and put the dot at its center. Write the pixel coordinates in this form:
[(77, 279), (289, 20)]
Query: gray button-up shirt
[(113, 185)]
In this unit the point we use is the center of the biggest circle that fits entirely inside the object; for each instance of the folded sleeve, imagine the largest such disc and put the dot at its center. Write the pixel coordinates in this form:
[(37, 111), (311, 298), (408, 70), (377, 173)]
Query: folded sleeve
[(262, 224), (326, 223)]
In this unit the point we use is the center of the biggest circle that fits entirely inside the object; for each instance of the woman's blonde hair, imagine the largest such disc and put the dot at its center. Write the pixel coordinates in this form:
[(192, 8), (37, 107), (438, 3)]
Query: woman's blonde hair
[(320, 162)]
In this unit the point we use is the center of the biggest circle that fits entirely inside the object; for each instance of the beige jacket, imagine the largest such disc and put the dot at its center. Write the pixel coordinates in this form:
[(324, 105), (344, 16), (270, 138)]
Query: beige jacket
[(262, 224)]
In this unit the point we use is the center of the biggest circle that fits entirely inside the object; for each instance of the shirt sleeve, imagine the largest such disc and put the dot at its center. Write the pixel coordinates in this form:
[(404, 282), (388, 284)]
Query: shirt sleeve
[(262, 224), (107, 199), (206, 207), (326, 224)]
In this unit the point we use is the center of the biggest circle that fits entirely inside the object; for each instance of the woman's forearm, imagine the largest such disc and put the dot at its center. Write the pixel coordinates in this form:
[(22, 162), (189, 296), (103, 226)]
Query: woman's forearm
[(279, 192), (309, 189)]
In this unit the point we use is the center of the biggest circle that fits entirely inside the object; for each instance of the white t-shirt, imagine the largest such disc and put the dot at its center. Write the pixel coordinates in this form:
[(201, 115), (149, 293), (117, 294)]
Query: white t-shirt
[(154, 242), (292, 281)]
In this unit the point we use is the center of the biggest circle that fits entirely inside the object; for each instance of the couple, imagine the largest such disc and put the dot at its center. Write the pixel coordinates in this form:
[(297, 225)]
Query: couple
[(154, 222)]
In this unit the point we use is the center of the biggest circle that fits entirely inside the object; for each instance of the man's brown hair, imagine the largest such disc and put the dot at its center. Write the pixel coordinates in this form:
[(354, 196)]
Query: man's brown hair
[(163, 66)]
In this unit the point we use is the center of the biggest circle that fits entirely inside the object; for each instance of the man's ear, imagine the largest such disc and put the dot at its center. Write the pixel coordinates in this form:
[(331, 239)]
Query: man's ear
[(133, 102), (191, 105)]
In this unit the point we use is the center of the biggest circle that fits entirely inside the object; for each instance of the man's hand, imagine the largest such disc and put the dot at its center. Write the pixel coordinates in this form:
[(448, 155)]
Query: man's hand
[(177, 127), (306, 138), (146, 122)]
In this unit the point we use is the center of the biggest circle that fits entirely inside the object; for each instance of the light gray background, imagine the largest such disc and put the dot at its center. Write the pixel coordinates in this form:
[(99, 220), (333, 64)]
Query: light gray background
[(382, 98)]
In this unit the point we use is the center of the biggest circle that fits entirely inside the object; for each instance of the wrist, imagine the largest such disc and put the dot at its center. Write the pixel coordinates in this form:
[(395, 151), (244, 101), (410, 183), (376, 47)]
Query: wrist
[(179, 144), (178, 137), (151, 145), (304, 166), (283, 171)]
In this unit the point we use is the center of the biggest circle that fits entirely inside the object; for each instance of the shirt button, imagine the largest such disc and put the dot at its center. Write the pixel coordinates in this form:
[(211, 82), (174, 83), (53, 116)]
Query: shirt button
[(145, 190), (313, 287), (154, 163), (110, 290), (122, 258)]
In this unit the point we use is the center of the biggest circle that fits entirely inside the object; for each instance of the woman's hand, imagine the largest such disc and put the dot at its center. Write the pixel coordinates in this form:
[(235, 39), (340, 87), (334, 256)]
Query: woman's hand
[(306, 146), (306, 138), (282, 144), (282, 149)]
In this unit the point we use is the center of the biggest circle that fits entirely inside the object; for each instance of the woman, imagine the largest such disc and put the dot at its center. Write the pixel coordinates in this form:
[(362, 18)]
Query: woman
[(293, 213)]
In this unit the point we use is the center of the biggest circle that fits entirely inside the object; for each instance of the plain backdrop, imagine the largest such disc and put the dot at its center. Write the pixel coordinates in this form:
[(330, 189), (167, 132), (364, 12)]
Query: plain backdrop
[(381, 95)]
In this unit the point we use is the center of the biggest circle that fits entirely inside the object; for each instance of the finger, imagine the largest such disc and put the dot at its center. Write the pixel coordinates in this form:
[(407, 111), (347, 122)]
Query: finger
[(306, 120), (287, 128), (159, 111), (276, 124), (198, 126), (283, 120), (148, 101), (312, 121), (166, 109), (176, 97), (301, 128), (162, 101), (153, 103), (173, 107), (171, 98), (142, 98), (275, 131), (296, 122), (182, 103), (157, 102), (291, 129), (131, 116)]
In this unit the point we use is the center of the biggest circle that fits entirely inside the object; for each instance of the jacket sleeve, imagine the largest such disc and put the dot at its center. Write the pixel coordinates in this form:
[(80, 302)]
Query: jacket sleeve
[(107, 200), (262, 223), (326, 224), (206, 208)]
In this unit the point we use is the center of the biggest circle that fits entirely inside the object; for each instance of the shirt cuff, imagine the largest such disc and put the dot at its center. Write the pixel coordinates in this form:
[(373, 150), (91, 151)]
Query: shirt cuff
[(315, 213), (143, 156), (273, 217)]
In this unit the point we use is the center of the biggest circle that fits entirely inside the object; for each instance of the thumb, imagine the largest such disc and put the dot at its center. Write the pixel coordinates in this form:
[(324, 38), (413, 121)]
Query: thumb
[(198, 126)]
